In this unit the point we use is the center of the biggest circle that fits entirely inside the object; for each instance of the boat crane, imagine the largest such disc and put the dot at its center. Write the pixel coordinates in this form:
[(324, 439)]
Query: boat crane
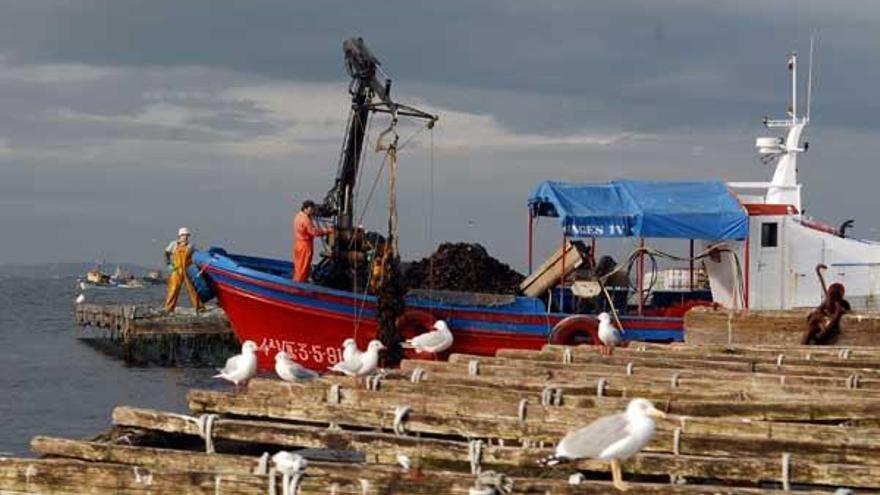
[(344, 266)]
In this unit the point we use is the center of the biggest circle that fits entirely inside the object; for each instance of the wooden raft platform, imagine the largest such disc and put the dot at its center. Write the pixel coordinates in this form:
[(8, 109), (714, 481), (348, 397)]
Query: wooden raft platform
[(742, 419), (705, 325), (141, 334)]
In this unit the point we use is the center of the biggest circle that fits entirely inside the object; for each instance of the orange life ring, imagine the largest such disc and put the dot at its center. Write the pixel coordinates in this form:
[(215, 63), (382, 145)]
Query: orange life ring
[(414, 322), (575, 330)]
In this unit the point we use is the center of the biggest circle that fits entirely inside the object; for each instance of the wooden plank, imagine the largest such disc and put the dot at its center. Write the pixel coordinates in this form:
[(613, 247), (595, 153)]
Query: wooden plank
[(338, 478), (542, 424), (382, 448), (505, 356), (709, 326), (800, 355), (739, 469), (650, 382)]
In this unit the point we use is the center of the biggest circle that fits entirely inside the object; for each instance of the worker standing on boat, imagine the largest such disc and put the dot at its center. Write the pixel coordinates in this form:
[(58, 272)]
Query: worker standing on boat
[(304, 233), (178, 256)]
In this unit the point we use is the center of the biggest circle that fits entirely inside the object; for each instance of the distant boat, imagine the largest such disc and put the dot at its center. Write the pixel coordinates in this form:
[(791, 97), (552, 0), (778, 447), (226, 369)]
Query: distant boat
[(154, 277), (124, 279), (95, 278)]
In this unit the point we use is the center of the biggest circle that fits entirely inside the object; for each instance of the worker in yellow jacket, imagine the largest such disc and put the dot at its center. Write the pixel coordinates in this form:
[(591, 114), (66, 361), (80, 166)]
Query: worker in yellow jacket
[(178, 255)]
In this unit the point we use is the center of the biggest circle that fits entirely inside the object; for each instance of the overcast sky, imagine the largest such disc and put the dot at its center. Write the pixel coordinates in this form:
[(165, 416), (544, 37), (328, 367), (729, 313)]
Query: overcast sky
[(122, 120)]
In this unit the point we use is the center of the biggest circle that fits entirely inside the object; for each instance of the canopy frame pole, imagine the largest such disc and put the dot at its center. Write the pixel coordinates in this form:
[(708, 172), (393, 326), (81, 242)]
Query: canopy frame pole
[(593, 251), (562, 277), (640, 274), (692, 266), (531, 238), (747, 274)]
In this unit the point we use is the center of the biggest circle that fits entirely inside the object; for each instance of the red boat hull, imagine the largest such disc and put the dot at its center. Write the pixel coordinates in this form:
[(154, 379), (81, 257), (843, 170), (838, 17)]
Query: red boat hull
[(311, 322)]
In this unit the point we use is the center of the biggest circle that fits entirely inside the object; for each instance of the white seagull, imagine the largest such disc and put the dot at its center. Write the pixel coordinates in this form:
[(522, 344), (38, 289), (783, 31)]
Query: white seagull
[(291, 371), (435, 341), (362, 365), (350, 349), (80, 298), (613, 438), (608, 334), (242, 367), (291, 466)]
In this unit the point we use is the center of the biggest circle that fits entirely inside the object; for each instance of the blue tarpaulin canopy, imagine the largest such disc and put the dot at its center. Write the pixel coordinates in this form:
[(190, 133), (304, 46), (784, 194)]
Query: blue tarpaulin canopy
[(629, 208)]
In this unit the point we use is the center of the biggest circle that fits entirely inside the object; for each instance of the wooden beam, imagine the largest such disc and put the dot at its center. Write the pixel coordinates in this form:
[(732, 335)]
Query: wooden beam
[(383, 448), (49, 475), (539, 359)]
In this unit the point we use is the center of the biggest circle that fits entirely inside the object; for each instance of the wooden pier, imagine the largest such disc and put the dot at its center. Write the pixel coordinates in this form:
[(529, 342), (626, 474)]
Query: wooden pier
[(742, 419), (141, 334), (708, 326)]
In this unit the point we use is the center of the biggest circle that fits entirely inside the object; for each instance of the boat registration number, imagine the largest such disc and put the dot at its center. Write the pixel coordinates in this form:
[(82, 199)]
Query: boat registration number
[(301, 351)]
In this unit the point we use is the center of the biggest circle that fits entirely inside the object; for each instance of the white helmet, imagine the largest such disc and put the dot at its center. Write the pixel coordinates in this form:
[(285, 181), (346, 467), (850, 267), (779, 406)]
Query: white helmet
[(183, 231)]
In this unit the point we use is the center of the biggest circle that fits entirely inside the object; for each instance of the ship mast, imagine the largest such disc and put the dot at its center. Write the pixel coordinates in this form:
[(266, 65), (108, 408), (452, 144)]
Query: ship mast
[(784, 187)]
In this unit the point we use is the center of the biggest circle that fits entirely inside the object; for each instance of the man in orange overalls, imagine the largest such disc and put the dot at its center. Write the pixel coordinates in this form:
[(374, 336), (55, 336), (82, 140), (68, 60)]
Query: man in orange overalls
[(178, 255), (304, 233)]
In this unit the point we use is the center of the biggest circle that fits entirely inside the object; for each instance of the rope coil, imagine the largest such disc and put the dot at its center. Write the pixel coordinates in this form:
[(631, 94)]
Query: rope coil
[(675, 377), (473, 367), (566, 356), (373, 382), (400, 413), (475, 453), (417, 375), (551, 396), (522, 409), (262, 464), (786, 471), (852, 382), (629, 368), (206, 430), (779, 360), (333, 394), (676, 441), (600, 387), (491, 483)]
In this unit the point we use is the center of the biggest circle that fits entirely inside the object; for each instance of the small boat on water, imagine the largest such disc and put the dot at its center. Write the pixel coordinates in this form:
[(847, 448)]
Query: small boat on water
[(757, 251)]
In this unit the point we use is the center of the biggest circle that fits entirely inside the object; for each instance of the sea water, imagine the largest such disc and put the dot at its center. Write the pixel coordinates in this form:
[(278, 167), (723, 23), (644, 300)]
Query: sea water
[(51, 383)]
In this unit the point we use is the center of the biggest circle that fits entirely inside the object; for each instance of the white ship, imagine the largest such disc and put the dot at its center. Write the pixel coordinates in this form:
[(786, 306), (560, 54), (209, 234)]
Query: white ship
[(784, 246)]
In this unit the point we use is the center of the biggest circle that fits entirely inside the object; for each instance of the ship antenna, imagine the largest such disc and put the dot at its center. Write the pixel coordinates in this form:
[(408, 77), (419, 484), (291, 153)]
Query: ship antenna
[(810, 80)]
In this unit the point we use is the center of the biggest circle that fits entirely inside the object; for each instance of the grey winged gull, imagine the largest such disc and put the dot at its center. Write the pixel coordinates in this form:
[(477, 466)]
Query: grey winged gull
[(608, 334), (242, 367), (363, 364), (349, 349), (435, 341), (291, 371), (610, 438)]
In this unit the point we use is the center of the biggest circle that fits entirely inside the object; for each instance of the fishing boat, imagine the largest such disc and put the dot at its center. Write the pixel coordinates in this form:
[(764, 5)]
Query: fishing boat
[(757, 251)]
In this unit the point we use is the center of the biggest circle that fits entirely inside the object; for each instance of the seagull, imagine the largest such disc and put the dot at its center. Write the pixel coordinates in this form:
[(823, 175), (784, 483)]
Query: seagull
[(242, 367), (613, 438), (435, 341), (80, 298), (608, 334), (291, 466), (349, 349), (362, 365), (291, 371)]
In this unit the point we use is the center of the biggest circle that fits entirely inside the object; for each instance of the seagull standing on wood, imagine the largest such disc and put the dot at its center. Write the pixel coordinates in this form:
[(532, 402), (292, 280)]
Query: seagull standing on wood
[(361, 365), (435, 341), (610, 438), (242, 367), (350, 349), (608, 334), (291, 371)]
